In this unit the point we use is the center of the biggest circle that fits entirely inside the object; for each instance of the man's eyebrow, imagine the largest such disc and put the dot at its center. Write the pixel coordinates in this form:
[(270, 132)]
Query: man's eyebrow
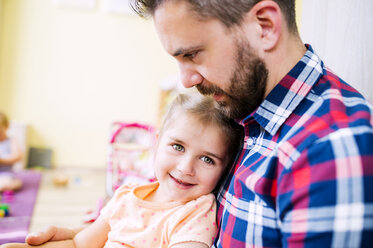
[(185, 50)]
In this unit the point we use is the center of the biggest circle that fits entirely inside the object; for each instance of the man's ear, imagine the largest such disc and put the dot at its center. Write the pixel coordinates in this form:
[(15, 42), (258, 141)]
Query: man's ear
[(267, 14)]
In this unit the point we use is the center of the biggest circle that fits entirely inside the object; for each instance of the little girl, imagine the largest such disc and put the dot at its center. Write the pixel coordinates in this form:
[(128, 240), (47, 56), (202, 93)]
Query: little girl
[(10, 153), (196, 146)]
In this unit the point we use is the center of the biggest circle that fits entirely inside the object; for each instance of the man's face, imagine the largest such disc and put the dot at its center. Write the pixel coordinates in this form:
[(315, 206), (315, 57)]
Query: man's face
[(246, 85), (217, 60)]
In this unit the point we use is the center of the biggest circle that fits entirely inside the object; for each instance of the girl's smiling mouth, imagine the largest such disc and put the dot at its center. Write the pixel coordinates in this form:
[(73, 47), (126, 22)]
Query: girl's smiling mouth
[(181, 184)]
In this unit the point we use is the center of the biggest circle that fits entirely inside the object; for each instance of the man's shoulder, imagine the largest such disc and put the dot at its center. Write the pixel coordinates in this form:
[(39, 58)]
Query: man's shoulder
[(338, 102), (332, 109)]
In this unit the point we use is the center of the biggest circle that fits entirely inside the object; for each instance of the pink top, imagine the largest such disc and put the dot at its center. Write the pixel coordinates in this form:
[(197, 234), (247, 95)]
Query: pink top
[(135, 222)]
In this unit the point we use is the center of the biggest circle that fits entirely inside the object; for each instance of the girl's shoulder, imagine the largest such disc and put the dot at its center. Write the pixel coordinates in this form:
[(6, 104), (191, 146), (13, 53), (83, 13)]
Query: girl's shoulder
[(203, 202), (125, 188)]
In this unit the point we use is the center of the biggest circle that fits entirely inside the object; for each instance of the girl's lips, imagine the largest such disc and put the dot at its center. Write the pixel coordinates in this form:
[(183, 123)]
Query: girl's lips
[(181, 184)]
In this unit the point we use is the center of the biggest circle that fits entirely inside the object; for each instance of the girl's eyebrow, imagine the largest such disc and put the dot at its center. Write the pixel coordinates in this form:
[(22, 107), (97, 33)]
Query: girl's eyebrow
[(176, 140), (185, 50)]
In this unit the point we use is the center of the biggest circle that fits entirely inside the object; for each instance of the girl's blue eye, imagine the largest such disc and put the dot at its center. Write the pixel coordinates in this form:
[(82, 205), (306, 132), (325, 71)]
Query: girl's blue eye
[(207, 160), (178, 147)]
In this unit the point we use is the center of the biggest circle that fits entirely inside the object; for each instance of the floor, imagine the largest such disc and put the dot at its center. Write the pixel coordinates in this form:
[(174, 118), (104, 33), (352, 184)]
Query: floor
[(67, 206)]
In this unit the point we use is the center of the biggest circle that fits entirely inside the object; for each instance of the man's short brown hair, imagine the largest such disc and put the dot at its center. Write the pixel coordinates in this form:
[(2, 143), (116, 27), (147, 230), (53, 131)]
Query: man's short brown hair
[(229, 12)]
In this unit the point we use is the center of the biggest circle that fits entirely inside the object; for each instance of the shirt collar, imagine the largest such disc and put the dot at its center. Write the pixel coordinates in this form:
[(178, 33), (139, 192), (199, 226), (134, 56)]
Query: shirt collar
[(288, 93)]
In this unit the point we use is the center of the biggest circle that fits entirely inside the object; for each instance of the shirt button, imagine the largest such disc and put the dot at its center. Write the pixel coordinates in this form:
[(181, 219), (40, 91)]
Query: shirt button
[(250, 141)]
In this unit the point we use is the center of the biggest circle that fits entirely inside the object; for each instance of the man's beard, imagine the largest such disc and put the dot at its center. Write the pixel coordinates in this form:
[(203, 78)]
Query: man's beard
[(247, 84)]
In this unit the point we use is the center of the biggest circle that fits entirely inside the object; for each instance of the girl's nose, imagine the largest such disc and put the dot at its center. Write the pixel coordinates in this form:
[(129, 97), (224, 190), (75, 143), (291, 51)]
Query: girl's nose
[(189, 76), (186, 166)]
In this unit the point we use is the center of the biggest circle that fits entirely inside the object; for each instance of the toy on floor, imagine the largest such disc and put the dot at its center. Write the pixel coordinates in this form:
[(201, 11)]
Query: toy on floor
[(91, 216), (8, 196), (8, 182), (4, 210), (60, 180)]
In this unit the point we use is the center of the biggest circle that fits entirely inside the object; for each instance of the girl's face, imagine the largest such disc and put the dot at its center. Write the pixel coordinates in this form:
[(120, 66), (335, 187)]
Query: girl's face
[(189, 160)]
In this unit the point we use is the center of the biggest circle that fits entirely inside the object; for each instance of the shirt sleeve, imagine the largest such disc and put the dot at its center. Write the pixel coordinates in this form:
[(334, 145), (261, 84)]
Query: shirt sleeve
[(195, 223), (324, 199), (107, 211)]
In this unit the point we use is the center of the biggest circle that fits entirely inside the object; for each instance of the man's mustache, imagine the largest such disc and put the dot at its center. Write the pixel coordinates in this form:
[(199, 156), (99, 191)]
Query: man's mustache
[(209, 90)]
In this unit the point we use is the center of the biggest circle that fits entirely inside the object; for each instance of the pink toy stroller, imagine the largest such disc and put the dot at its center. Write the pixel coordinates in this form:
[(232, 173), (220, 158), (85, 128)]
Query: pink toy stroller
[(130, 155), (130, 160)]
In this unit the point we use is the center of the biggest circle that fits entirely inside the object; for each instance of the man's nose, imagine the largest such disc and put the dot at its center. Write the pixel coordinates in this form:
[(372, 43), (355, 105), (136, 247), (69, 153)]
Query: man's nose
[(189, 76)]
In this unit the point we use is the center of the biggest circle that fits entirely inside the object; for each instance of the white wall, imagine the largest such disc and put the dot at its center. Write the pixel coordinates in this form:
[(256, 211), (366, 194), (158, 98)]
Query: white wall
[(341, 32)]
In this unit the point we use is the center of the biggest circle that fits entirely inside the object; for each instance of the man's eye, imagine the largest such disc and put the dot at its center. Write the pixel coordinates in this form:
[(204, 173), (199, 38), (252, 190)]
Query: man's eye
[(178, 147), (190, 55), (207, 160)]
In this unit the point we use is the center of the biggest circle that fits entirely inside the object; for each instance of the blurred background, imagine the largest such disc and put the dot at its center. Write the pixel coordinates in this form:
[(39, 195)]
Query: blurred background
[(68, 69)]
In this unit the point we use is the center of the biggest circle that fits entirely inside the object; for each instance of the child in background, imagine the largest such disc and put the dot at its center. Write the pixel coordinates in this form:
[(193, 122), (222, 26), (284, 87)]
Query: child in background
[(196, 147), (10, 153)]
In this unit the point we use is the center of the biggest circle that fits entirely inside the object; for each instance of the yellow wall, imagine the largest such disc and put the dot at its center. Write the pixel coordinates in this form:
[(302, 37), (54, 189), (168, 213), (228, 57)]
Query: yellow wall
[(298, 10), (69, 72)]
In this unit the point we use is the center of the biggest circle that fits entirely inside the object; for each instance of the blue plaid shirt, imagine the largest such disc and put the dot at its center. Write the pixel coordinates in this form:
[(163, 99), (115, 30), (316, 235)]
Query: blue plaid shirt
[(305, 174)]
